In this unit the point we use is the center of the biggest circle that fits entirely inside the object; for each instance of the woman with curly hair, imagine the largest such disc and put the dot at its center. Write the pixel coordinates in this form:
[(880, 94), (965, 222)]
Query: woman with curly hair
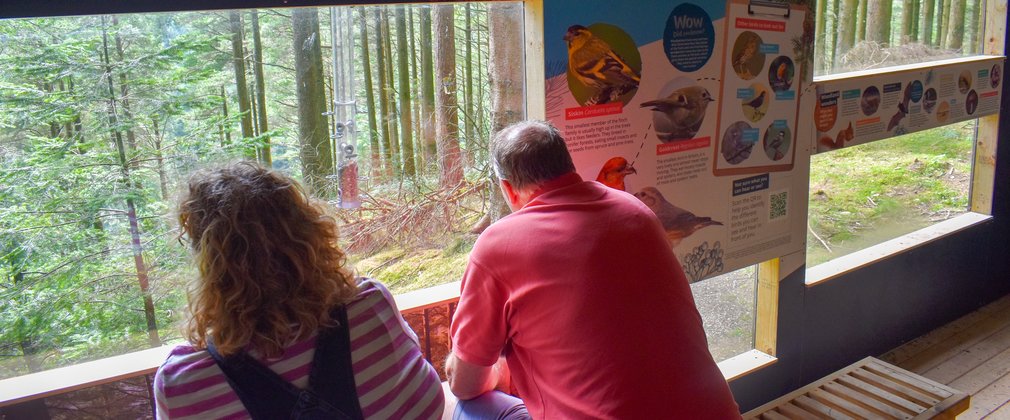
[(279, 327)]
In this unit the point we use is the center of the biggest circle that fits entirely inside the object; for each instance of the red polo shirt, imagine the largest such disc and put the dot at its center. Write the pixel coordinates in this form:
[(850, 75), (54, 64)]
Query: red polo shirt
[(581, 292)]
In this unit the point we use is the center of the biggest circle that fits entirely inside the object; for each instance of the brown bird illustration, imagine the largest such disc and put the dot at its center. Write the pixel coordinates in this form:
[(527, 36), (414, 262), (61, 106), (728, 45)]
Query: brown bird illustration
[(743, 56), (677, 222), (598, 67), (613, 172), (684, 109)]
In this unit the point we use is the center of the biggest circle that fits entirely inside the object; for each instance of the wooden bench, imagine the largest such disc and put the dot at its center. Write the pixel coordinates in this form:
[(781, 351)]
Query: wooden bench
[(868, 389)]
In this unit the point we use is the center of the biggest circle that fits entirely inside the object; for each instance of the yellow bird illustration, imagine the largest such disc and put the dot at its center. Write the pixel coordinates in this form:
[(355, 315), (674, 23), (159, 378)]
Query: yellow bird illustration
[(598, 67)]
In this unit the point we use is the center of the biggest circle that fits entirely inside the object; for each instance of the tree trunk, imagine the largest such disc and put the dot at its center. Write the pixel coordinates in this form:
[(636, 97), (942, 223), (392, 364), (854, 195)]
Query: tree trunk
[(138, 246), (943, 28), (916, 7), (313, 135), (261, 92), (427, 89), (163, 178), (373, 133), (955, 26), (78, 124), (404, 92), (861, 21), (846, 29), (468, 117), (820, 43), (974, 29), (124, 99), (907, 21), (390, 93), (241, 86), (482, 41), (505, 22), (926, 23), (224, 127), (446, 117), (415, 92), (380, 63), (878, 21)]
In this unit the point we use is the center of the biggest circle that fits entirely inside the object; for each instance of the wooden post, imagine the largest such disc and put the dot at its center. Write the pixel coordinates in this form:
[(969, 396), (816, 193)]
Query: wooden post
[(767, 311)]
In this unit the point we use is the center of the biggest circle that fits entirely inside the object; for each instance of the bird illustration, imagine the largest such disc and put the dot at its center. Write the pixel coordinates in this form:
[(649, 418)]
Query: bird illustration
[(677, 222), (775, 146), (781, 72), (598, 67), (755, 106), (613, 172), (685, 111), (741, 58)]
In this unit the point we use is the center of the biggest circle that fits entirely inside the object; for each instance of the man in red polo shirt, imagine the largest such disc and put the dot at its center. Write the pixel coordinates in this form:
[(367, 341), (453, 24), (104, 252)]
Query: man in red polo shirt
[(580, 293)]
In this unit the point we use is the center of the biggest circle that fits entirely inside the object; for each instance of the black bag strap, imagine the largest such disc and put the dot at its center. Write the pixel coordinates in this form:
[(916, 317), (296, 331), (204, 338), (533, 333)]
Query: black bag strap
[(332, 372), (331, 393)]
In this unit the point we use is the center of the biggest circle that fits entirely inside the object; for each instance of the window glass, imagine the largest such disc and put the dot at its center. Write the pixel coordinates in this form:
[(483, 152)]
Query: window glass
[(863, 195), (727, 306), (102, 118), (859, 35)]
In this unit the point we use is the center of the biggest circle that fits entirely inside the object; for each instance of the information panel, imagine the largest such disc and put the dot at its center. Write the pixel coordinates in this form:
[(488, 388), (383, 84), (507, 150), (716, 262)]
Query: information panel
[(691, 107), (854, 108)]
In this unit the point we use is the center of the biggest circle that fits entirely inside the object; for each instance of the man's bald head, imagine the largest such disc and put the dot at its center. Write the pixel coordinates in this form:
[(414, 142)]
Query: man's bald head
[(529, 153)]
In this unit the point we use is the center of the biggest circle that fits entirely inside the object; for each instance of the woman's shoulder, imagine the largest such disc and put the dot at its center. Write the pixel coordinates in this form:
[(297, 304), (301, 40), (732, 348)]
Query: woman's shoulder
[(185, 360), (371, 291)]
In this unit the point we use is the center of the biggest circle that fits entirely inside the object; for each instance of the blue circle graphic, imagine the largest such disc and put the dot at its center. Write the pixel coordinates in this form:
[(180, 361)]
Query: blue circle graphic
[(915, 91), (689, 37)]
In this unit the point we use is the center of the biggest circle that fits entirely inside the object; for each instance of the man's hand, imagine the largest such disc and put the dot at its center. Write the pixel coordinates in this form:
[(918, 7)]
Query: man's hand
[(468, 381)]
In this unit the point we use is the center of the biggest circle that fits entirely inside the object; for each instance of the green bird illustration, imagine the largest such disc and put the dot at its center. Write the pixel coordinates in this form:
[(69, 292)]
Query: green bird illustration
[(595, 64)]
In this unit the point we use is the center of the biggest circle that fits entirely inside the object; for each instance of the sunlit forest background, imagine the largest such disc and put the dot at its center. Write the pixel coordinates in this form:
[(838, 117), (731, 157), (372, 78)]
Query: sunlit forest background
[(102, 117), (864, 34)]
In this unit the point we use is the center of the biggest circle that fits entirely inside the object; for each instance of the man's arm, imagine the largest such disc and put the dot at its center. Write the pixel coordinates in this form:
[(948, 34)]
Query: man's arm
[(468, 381)]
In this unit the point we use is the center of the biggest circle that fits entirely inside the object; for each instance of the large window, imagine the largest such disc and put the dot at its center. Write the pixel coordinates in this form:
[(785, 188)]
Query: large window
[(102, 117), (868, 34), (864, 195)]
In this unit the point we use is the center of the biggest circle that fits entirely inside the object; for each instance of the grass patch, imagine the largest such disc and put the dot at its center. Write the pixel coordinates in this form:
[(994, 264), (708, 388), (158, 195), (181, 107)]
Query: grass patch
[(404, 270), (864, 195)]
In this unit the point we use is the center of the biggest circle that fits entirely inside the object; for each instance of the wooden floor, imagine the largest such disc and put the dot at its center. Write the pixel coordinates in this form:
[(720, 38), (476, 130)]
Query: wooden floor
[(971, 354)]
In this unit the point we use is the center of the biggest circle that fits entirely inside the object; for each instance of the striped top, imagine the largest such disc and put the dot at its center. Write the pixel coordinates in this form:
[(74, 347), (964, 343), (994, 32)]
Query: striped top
[(392, 378)]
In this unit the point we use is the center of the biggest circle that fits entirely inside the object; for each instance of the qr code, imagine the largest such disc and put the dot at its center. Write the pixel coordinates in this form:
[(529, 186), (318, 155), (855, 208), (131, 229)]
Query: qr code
[(778, 205)]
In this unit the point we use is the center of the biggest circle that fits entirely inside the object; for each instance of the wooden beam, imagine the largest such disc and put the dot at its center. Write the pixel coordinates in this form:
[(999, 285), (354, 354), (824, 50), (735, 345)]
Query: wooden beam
[(767, 311), (987, 134), (536, 107)]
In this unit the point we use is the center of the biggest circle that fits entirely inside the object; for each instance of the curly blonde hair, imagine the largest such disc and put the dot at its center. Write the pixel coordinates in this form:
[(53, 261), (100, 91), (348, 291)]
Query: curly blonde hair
[(270, 269)]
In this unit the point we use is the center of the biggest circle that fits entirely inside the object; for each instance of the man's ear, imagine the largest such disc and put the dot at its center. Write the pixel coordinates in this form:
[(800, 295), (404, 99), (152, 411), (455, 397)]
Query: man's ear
[(509, 191)]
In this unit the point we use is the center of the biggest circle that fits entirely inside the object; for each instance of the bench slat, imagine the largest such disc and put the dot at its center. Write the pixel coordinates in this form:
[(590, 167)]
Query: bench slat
[(896, 388), (773, 415), (813, 405), (896, 374), (793, 412), (842, 404), (881, 395), (868, 403)]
